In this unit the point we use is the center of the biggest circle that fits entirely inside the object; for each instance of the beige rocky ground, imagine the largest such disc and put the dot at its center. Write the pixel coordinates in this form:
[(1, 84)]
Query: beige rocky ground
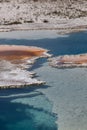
[(64, 15)]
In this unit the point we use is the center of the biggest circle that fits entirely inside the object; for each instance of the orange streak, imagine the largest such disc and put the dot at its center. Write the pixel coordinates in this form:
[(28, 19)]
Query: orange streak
[(13, 52)]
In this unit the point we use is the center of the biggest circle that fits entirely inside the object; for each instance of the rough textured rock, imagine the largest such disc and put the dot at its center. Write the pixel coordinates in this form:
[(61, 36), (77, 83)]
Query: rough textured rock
[(39, 11), (63, 15)]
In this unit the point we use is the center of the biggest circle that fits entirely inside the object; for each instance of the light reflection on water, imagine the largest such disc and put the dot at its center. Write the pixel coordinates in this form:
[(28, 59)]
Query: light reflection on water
[(68, 92)]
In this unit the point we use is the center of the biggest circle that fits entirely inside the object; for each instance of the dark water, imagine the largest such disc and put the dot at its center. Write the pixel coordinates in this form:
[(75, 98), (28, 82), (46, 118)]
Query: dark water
[(28, 113), (75, 43), (27, 108)]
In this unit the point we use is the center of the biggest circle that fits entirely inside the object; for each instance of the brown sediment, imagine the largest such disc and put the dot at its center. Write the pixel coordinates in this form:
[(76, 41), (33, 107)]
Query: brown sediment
[(69, 61), (15, 52), (13, 65), (77, 59)]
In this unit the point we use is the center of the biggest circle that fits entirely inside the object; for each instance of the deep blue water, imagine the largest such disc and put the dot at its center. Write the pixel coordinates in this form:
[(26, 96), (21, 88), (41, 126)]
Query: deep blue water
[(27, 108), (75, 43)]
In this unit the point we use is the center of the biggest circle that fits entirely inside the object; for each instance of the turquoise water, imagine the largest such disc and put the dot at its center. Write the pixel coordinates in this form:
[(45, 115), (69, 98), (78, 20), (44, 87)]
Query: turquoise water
[(62, 100), (25, 109)]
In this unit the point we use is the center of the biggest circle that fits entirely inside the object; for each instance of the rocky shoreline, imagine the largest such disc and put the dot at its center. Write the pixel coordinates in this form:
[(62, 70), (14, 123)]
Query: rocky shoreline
[(64, 16), (69, 61), (14, 62)]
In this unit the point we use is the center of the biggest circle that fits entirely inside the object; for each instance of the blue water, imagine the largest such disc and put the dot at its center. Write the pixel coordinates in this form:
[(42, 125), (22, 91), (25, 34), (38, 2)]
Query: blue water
[(28, 108), (29, 113), (75, 43)]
